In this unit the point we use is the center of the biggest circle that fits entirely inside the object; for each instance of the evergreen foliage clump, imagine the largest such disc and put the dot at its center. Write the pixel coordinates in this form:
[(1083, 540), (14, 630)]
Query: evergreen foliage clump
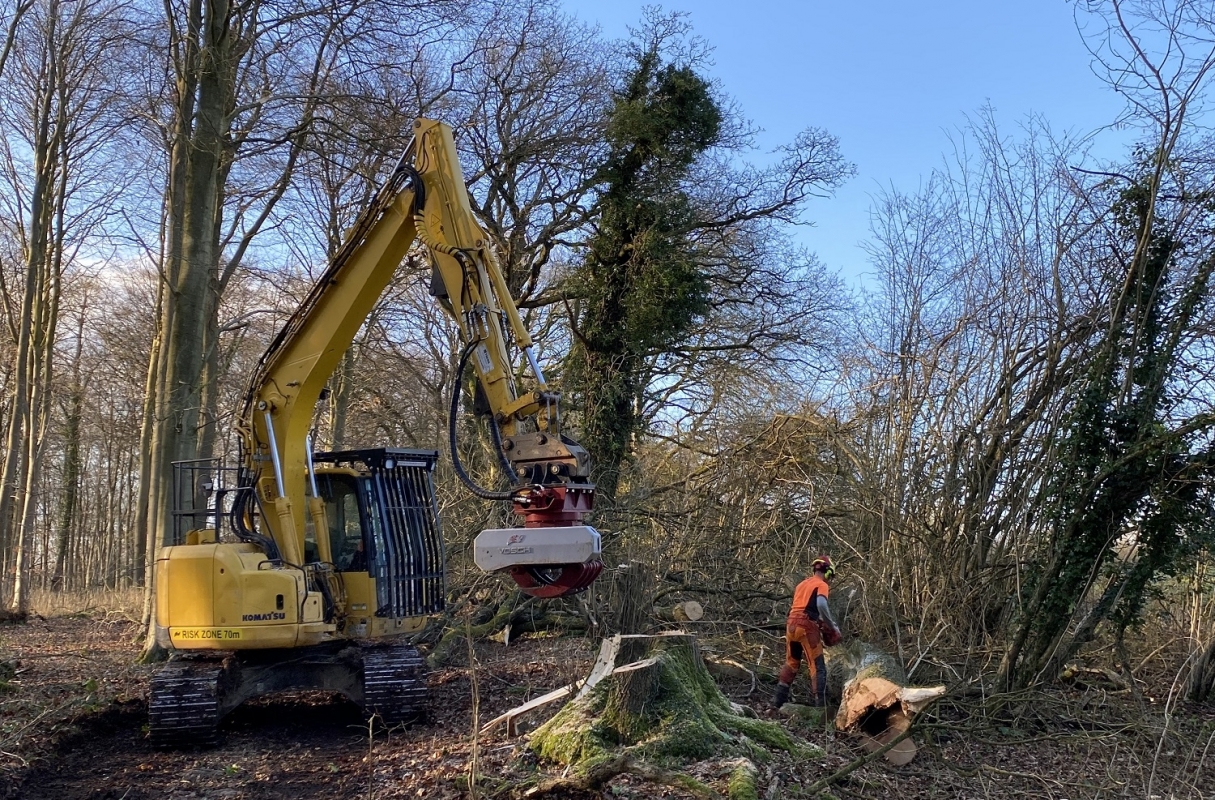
[(640, 284)]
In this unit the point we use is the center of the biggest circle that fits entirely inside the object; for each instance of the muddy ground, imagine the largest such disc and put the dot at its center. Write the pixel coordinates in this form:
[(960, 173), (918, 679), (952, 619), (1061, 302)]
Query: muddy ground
[(73, 726)]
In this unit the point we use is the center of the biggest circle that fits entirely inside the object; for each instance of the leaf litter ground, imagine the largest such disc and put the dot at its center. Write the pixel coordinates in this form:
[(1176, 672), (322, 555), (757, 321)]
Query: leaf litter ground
[(73, 726)]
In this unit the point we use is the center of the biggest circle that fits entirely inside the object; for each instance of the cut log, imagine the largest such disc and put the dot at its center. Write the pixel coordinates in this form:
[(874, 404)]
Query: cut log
[(876, 705), (730, 670), (687, 611)]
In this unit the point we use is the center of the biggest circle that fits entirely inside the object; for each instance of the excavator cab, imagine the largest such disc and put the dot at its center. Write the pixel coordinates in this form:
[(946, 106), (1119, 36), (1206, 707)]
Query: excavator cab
[(223, 586), (384, 524), (385, 544)]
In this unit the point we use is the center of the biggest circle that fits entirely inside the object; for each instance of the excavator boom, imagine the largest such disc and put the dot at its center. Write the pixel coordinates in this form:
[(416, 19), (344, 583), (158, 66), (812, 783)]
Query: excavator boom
[(425, 200)]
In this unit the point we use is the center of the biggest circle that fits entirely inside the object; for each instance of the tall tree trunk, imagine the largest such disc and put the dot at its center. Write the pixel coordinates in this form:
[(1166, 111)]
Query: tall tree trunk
[(339, 400), (13, 486), (71, 460), (145, 543), (191, 260), (209, 388)]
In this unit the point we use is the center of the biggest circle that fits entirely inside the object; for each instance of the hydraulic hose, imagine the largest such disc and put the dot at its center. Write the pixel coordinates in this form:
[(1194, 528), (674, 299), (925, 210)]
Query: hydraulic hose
[(484, 494), (243, 532)]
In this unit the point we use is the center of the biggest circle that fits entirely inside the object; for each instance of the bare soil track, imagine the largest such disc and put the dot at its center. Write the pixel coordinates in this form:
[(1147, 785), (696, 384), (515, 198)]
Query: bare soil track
[(72, 726)]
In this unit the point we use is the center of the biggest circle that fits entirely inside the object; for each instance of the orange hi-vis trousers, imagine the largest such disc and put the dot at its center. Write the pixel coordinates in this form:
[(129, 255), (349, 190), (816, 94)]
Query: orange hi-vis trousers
[(804, 640)]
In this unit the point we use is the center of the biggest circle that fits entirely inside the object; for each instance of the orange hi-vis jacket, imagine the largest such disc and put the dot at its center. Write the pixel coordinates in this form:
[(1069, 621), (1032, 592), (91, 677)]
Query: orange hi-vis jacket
[(805, 597), (804, 639)]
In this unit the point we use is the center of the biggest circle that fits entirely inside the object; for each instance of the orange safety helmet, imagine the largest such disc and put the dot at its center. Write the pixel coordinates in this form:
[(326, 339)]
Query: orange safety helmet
[(823, 564)]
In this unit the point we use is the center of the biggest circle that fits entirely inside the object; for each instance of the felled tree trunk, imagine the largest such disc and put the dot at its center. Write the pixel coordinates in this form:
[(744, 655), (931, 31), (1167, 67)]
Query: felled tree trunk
[(513, 616), (663, 708), (875, 702)]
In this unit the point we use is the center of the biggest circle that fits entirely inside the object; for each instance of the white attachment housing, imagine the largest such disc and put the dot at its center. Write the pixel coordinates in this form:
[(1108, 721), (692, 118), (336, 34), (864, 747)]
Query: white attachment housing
[(503, 548)]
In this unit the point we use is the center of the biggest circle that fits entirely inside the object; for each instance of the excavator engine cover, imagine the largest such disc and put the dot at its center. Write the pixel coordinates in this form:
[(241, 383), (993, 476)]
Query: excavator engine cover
[(545, 562)]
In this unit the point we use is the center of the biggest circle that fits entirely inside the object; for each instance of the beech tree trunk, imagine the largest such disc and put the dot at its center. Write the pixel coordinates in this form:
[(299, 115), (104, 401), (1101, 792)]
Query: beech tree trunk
[(204, 60)]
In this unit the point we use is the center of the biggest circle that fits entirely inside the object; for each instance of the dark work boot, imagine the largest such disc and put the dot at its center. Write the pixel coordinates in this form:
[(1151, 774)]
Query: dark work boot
[(782, 695)]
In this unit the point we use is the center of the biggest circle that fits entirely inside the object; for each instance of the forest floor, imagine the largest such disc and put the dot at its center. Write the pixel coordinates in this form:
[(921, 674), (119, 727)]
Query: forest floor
[(73, 726)]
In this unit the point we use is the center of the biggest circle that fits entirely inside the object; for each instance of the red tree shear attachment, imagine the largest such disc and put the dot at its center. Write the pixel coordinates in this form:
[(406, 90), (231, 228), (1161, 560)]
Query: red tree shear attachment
[(553, 554)]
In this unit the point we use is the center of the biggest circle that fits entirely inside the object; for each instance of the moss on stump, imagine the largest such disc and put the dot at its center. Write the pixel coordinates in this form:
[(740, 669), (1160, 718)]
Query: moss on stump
[(664, 710)]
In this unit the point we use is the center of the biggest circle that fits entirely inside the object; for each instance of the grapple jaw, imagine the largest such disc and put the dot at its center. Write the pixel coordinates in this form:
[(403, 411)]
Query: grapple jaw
[(553, 554), (559, 581)]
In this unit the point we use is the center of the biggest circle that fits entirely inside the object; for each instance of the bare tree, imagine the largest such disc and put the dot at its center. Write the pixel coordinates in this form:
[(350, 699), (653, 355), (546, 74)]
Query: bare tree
[(59, 106), (1136, 455), (971, 341)]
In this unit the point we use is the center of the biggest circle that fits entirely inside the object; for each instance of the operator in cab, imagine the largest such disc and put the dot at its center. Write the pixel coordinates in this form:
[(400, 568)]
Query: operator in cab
[(808, 626)]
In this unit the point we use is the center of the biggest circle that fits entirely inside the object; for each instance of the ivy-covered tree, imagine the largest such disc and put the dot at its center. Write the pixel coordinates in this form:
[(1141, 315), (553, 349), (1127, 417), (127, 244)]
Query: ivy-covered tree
[(640, 285), (1128, 499), (686, 264)]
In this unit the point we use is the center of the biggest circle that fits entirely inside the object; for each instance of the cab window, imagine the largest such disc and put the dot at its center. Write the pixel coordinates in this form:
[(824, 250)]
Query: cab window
[(340, 493)]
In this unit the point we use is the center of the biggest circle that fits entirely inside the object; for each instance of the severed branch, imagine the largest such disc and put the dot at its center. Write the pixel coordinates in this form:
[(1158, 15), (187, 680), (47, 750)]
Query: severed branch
[(536, 702), (857, 763)]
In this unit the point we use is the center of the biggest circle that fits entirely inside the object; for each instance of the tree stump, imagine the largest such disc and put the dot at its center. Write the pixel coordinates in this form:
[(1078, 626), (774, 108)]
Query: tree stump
[(662, 708), (875, 704), (629, 593)]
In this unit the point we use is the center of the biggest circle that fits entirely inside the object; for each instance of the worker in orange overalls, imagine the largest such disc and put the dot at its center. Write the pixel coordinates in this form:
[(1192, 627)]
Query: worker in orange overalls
[(808, 626)]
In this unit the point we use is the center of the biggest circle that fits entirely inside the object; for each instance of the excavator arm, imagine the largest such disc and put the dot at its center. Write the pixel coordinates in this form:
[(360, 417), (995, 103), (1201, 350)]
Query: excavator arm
[(424, 200)]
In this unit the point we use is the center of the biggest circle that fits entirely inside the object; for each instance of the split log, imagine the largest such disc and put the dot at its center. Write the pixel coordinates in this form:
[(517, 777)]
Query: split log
[(662, 708), (875, 703)]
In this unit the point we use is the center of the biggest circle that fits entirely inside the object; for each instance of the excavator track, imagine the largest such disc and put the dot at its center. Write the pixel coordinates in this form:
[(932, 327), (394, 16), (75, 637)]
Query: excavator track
[(394, 682), (183, 709)]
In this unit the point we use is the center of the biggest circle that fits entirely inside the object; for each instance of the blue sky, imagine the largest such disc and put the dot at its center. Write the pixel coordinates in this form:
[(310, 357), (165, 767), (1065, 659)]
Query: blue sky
[(892, 80)]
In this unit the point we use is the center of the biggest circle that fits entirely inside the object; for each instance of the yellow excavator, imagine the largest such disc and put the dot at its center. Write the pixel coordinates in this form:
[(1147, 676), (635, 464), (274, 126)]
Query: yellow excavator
[(307, 570)]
